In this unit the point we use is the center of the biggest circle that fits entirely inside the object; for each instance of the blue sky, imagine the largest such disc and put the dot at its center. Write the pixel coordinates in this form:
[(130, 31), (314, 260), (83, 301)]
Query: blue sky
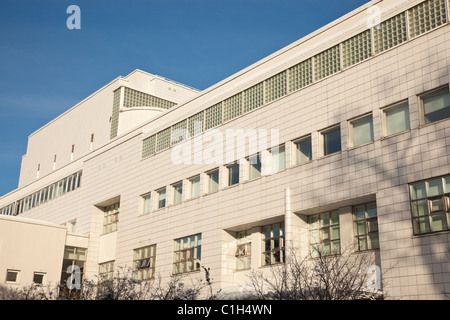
[(46, 68)]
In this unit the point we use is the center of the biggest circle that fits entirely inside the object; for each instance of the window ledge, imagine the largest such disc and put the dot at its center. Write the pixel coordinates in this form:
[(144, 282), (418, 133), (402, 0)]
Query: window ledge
[(395, 134), (361, 145)]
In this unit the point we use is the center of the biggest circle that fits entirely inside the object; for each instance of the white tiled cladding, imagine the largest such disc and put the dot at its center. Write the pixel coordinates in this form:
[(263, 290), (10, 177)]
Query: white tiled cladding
[(414, 268)]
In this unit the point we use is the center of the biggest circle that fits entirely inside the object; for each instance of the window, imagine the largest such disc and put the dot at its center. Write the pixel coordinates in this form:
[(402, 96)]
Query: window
[(396, 119), (430, 205), (105, 271), (243, 250), (73, 262), (144, 260), (213, 180), (303, 150), (426, 16), (324, 234), (361, 130), (177, 192), (187, 254), (275, 87), (331, 140), (273, 244), (366, 226), (213, 116), (38, 277), (194, 187), (232, 107), (357, 48), (110, 218), (390, 33), (195, 124), (163, 140), (436, 106), (300, 75), (72, 226), (277, 158), (146, 203), (327, 63), (254, 97), (179, 132), (254, 166), (233, 173), (12, 276), (161, 198), (148, 146)]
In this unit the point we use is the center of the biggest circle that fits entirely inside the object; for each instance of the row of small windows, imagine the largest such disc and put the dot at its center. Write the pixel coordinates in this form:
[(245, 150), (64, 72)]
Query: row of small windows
[(324, 239), (44, 195), (394, 31)]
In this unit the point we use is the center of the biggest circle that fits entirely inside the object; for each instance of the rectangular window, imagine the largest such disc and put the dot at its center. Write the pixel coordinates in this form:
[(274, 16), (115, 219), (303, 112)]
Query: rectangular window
[(12, 276), (177, 192), (161, 198), (361, 130), (163, 140), (179, 132), (426, 16), (357, 48), (38, 278), (277, 158), (390, 33), (327, 63), (254, 97), (273, 250), (74, 259), (232, 107), (213, 116), (106, 271), (324, 234), (254, 166), (366, 226), (148, 146), (436, 106), (303, 150), (430, 205), (187, 254), (300, 75), (213, 180), (195, 124), (194, 187), (396, 119), (144, 261), (233, 173), (243, 250), (331, 140), (276, 87), (110, 218), (146, 203)]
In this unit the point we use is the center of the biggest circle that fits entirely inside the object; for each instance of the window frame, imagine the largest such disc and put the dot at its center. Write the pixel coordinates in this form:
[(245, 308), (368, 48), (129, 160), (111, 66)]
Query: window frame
[(177, 196), (187, 255), (149, 261), (16, 279), (368, 220), (273, 250), (297, 152), (243, 249), (351, 127), (250, 166), (146, 203), (209, 174), (229, 170), (159, 193), (280, 154), (392, 107), (320, 229), (114, 214), (323, 143), (428, 94), (191, 187), (42, 274)]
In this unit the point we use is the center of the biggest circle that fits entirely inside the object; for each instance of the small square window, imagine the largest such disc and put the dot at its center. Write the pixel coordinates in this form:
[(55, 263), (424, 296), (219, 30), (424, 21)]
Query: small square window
[(436, 106), (12, 276), (361, 130), (303, 150), (213, 180), (38, 278), (331, 140), (396, 119)]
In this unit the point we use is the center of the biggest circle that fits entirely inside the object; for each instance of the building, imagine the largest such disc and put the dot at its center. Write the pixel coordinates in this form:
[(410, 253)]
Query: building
[(342, 137)]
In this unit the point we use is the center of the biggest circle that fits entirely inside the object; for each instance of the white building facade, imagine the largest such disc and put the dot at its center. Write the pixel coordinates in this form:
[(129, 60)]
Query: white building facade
[(341, 138)]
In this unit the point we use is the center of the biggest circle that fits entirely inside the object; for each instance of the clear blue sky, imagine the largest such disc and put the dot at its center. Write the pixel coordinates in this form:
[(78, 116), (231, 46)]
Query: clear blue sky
[(45, 68)]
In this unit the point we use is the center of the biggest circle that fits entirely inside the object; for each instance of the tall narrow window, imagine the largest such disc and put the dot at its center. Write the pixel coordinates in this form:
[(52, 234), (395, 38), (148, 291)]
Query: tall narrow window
[(254, 166), (146, 203), (436, 106), (194, 187), (273, 244), (243, 250), (92, 142), (38, 170), (105, 271), (213, 180), (233, 173), (324, 234), (303, 150), (161, 198), (331, 140), (278, 158), (111, 218), (366, 226), (72, 153), (396, 119), (361, 130), (54, 162), (177, 192), (187, 254)]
